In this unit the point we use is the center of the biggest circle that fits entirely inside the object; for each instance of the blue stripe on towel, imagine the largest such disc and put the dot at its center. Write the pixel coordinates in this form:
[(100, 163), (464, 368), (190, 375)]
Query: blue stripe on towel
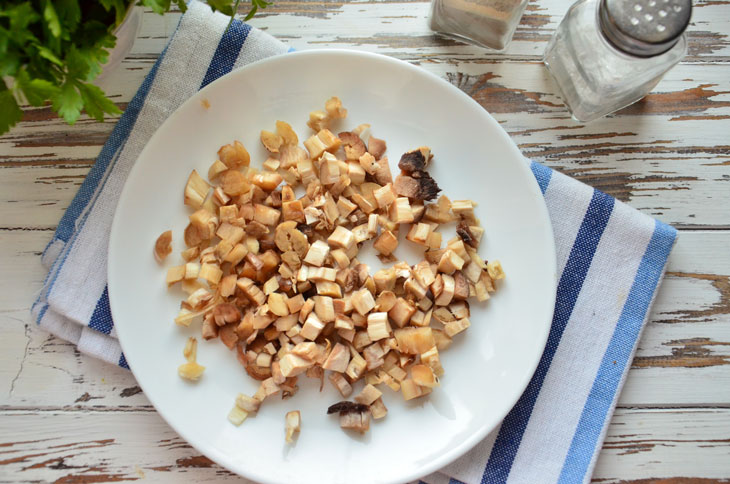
[(571, 281), (617, 355), (101, 318), (227, 51), (542, 174)]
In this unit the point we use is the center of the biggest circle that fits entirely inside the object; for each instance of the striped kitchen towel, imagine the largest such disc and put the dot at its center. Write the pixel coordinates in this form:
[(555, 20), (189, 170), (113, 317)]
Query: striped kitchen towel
[(607, 252)]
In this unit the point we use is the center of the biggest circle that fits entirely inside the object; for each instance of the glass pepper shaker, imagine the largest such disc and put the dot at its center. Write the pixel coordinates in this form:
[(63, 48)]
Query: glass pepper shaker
[(607, 54), (487, 23)]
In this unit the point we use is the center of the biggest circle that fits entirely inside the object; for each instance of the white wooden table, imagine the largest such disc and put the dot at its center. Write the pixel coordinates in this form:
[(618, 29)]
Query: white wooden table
[(65, 417)]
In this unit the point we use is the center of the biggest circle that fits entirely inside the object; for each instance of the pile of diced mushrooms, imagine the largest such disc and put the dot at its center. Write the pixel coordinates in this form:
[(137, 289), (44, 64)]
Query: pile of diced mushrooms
[(276, 276)]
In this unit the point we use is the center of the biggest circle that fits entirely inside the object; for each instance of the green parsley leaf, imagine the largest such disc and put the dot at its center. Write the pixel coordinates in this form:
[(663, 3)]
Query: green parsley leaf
[(36, 91), (182, 5), (96, 103), (223, 6), (47, 54), (69, 13), (68, 102), (9, 64), (10, 112), (158, 6), (20, 16), (51, 18)]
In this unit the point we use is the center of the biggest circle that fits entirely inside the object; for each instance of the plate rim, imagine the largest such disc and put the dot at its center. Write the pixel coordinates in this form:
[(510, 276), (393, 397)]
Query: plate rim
[(533, 190)]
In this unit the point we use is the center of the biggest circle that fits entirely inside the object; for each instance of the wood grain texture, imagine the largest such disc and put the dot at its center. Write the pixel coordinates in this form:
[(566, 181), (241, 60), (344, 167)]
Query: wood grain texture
[(67, 418), (101, 446)]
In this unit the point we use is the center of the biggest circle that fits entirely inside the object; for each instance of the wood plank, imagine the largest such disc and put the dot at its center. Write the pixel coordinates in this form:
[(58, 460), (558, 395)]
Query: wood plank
[(96, 446), (654, 444), (686, 344)]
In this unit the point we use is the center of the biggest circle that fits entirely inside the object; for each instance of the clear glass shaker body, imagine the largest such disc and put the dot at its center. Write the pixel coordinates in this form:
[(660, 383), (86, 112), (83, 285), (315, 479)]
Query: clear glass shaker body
[(487, 23), (595, 77)]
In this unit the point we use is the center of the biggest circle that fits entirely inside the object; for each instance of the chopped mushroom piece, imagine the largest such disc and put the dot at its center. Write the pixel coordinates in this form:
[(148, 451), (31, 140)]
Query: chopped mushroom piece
[(353, 416), (423, 376), (163, 245), (455, 327), (378, 409), (317, 253), (363, 301), (338, 359), (378, 327), (237, 415), (191, 370), (293, 425), (196, 190), (415, 160), (340, 382), (494, 268), (400, 211)]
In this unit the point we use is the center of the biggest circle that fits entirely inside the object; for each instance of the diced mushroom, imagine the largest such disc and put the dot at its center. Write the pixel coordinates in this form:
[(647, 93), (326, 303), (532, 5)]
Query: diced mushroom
[(411, 390), (423, 376), (338, 359), (323, 141), (216, 169), (450, 262), (196, 189), (234, 183), (353, 416), (494, 268), (376, 147), (400, 211), (415, 160), (401, 312), (414, 341), (317, 253), (237, 415), (163, 245), (341, 238), (363, 301), (312, 327), (378, 327), (353, 145), (368, 395), (416, 186), (378, 409), (191, 370), (293, 425), (455, 327), (447, 293), (234, 156), (340, 382)]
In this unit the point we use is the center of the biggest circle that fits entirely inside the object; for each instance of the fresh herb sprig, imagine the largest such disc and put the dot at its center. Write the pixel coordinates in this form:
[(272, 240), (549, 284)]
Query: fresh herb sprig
[(52, 50)]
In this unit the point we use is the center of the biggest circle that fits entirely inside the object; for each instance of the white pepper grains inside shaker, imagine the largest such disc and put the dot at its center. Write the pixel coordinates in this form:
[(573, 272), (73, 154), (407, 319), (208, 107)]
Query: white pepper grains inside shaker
[(487, 23), (607, 54)]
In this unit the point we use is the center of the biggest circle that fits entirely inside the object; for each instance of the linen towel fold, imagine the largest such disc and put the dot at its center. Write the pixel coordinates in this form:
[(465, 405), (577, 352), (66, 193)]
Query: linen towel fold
[(611, 259)]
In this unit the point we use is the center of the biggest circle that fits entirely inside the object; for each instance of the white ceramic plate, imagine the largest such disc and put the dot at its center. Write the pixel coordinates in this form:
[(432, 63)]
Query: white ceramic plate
[(487, 368)]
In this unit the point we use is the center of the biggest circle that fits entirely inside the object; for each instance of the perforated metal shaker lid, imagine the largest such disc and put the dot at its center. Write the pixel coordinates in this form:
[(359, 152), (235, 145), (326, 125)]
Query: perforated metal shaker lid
[(644, 28)]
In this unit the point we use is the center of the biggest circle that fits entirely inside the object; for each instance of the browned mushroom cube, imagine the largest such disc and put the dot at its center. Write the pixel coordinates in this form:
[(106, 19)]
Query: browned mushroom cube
[(362, 301), (386, 243), (341, 238), (401, 312), (340, 382), (338, 359), (377, 326), (368, 395)]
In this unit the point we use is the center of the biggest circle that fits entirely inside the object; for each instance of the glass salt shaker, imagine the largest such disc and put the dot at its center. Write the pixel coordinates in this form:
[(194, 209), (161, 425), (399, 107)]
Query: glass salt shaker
[(607, 54), (487, 23)]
